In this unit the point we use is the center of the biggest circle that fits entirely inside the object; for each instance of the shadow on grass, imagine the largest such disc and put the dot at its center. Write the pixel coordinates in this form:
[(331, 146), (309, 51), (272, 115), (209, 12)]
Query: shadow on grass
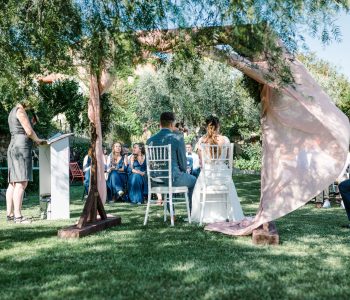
[(185, 262), (24, 233)]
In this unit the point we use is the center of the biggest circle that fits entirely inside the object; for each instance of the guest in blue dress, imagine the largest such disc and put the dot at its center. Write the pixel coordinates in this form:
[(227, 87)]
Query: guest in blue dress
[(137, 183), (117, 166), (86, 169)]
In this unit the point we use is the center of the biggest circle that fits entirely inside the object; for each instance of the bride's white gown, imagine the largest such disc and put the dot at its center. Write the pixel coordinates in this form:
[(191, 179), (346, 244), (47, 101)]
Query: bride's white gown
[(217, 211)]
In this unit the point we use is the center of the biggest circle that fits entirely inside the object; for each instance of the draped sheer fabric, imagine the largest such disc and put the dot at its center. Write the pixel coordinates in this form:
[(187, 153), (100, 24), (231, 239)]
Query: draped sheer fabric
[(305, 144)]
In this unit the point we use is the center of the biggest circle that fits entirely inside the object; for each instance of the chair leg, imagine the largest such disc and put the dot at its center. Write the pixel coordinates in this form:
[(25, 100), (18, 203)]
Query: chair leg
[(165, 201), (147, 209), (227, 210), (171, 209), (202, 209), (188, 208)]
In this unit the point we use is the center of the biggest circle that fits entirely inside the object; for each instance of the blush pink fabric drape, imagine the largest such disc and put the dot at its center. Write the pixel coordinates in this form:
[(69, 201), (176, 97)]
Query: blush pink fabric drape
[(305, 144)]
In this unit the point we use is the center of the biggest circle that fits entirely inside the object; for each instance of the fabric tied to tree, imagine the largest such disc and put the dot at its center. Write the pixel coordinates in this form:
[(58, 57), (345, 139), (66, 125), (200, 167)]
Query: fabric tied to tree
[(305, 144), (94, 117)]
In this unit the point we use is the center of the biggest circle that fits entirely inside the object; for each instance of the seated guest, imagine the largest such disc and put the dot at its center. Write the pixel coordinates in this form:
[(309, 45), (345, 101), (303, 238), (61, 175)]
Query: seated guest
[(189, 164), (146, 134), (137, 183), (178, 152), (192, 161), (105, 156), (86, 169), (117, 164)]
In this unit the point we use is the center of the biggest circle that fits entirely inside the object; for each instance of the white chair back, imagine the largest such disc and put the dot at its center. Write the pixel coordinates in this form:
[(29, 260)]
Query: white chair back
[(216, 163), (159, 176), (158, 159)]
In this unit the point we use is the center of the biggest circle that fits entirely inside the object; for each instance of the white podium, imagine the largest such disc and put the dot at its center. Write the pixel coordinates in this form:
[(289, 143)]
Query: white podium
[(54, 175)]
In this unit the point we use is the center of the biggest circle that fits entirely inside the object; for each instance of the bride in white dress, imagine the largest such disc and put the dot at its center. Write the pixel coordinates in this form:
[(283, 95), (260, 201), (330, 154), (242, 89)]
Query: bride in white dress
[(215, 211)]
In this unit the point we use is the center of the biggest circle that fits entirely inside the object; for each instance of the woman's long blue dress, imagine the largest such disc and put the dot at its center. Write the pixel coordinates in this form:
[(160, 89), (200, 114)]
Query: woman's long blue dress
[(87, 175), (117, 180), (137, 184)]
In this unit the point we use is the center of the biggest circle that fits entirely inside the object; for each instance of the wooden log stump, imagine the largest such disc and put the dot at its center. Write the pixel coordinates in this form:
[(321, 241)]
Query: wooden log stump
[(91, 227), (266, 234)]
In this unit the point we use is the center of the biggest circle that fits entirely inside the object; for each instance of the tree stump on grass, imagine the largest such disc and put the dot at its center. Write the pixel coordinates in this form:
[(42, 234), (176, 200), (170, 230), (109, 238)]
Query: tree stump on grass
[(266, 234)]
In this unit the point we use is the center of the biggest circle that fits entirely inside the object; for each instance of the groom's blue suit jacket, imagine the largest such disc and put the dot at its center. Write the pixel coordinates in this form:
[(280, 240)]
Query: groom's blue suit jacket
[(178, 150)]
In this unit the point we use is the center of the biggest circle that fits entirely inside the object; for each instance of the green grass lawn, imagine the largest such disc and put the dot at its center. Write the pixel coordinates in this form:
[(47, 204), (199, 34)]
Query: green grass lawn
[(185, 262)]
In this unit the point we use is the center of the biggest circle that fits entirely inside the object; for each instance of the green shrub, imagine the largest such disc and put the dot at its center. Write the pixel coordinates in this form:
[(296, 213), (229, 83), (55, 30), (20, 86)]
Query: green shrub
[(79, 148), (33, 186), (250, 158), (191, 138), (2, 179)]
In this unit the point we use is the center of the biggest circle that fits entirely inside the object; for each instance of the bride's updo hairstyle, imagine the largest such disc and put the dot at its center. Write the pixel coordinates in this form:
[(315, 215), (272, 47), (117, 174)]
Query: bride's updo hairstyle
[(211, 137), (213, 125)]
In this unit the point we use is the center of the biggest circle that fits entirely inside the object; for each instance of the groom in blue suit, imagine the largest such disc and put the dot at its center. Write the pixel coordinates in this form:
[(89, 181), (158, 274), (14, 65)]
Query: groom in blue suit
[(166, 136)]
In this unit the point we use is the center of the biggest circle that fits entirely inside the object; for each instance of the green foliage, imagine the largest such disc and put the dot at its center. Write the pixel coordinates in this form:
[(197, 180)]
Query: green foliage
[(335, 84), (191, 138), (344, 105), (3, 181), (106, 113), (126, 116), (250, 158), (33, 186), (195, 91), (62, 97), (4, 128), (79, 148), (35, 38)]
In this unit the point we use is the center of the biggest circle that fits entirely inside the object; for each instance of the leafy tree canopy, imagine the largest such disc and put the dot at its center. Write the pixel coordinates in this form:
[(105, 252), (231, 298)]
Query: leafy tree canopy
[(336, 85), (49, 35), (41, 36)]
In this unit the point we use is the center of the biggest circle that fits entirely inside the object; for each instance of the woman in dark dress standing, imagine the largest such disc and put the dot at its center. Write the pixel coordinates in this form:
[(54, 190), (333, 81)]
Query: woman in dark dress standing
[(19, 160)]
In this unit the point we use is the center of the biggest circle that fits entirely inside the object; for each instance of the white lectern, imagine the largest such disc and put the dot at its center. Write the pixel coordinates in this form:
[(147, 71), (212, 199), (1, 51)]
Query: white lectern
[(54, 175)]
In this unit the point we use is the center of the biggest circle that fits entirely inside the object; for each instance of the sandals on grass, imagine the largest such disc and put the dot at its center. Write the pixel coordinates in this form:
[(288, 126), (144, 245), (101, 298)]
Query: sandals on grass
[(22, 220)]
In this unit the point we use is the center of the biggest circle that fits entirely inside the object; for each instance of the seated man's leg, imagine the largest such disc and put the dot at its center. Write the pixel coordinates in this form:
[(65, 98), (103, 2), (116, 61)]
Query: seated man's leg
[(344, 189), (196, 172), (188, 180)]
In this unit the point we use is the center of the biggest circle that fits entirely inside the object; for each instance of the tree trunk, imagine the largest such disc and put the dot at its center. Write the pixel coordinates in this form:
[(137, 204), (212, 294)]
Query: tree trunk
[(93, 202)]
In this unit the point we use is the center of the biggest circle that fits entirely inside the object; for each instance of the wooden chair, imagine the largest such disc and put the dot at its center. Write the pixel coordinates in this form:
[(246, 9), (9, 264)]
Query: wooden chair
[(217, 172), (158, 159), (76, 172)]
